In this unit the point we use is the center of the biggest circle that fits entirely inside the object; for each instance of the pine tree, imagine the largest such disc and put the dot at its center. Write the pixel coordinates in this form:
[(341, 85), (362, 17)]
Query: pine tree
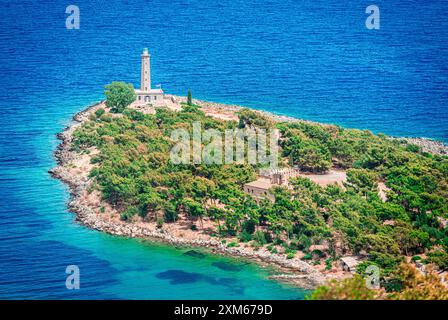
[(189, 99)]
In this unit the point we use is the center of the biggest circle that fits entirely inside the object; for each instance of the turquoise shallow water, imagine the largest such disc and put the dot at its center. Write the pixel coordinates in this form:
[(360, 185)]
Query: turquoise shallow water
[(311, 59)]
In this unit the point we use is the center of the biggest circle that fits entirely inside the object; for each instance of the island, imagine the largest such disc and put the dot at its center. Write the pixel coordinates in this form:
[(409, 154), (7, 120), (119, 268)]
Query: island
[(338, 205)]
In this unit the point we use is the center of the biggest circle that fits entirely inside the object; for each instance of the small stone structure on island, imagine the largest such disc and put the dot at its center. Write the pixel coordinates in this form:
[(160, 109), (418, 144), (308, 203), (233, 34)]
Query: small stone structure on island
[(350, 263), (147, 95), (259, 189), (279, 176), (269, 178)]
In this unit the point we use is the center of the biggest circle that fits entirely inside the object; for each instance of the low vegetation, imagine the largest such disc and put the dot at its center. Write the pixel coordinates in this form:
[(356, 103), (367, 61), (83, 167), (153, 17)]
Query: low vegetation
[(119, 95)]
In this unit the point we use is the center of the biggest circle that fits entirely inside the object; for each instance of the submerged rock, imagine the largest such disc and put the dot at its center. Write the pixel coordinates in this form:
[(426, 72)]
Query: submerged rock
[(227, 266), (179, 276), (195, 254)]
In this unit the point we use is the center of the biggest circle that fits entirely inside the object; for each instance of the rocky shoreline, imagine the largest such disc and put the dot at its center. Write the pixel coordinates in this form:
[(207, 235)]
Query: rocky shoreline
[(427, 145), (294, 272)]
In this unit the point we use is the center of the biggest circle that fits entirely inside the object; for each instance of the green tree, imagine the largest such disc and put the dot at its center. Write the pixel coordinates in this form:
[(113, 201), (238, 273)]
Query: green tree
[(99, 112), (189, 98), (194, 209), (151, 202), (439, 258), (217, 214), (119, 95), (253, 118), (362, 181)]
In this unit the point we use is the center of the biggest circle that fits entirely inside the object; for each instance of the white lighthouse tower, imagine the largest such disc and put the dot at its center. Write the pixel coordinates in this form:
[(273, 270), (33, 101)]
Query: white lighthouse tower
[(145, 83), (146, 94)]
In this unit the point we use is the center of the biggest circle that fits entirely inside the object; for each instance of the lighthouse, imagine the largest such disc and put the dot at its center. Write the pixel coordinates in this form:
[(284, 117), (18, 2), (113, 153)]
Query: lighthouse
[(146, 94), (145, 83)]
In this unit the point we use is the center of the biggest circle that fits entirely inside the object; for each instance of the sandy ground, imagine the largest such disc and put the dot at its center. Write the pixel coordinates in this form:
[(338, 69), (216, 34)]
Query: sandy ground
[(332, 177)]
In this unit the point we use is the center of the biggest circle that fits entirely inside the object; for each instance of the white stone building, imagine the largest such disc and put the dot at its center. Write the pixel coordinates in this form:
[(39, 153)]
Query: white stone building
[(146, 94)]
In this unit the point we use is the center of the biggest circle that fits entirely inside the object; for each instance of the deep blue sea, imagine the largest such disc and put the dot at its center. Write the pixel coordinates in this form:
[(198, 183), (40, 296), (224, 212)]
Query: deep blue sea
[(311, 59)]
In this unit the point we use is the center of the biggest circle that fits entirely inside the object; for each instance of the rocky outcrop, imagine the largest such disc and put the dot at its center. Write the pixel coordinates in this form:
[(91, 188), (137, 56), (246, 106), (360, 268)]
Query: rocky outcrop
[(428, 145)]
